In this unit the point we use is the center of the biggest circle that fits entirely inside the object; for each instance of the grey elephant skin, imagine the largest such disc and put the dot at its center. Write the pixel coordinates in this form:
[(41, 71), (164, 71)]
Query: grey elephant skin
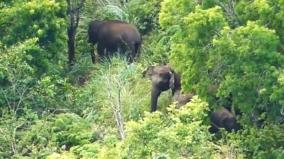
[(182, 98), (114, 36), (223, 118), (164, 78)]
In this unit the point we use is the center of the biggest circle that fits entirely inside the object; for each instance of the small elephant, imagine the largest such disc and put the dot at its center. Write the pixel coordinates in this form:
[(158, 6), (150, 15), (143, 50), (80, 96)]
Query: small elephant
[(182, 98), (223, 118), (112, 36), (178, 96), (160, 77)]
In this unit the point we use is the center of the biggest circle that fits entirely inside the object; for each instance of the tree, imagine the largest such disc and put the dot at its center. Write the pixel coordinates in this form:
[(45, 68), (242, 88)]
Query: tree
[(232, 51), (246, 64), (191, 45), (41, 19), (74, 9)]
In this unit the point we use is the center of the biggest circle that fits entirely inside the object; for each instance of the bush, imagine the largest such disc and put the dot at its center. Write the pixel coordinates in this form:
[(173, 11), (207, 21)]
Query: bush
[(71, 130), (37, 139), (264, 13), (114, 84), (243, 64), (251, 65), (173, 12), (9, 125), (44, 20), (20, 85), (52, 93), (261, 143), (16, 74), (156, 48), (179, 133), (188, 55), (34, 137), (144, 14)]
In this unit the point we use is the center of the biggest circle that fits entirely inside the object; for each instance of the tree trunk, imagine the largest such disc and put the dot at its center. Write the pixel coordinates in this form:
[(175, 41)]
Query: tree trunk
[(71, 46), (74, 8)]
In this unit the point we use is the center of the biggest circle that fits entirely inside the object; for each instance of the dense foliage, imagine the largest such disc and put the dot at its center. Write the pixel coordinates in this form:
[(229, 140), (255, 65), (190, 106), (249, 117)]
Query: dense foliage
[(228, 53), (243, 63), (44, 20)]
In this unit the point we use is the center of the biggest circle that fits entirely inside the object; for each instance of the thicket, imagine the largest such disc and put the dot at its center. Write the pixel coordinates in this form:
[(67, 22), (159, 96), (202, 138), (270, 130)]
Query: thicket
[(229, 53)]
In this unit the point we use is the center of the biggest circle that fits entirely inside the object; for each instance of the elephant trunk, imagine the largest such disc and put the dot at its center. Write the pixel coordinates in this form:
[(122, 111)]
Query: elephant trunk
[(155, 93)]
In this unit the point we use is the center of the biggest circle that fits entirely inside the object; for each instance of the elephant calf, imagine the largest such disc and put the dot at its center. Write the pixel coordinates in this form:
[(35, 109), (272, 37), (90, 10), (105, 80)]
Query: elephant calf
[(223, 118), (164, 78), (181, 98), (160, 77), (112, 36)]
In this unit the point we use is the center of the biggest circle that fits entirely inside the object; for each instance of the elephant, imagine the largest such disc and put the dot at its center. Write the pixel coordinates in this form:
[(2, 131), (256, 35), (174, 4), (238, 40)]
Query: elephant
[(223, 118), (182, 98), (178, 96), (114, 36), (163, 78)]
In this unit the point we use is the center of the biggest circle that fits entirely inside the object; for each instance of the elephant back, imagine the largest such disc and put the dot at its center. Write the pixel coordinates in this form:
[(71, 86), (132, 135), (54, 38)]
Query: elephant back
[(121, 29)]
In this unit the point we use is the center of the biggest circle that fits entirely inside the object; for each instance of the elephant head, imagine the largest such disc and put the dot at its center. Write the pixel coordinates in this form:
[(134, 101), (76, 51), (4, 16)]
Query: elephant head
[(163, 78), (93, 31), (175, 83), (160, 77)]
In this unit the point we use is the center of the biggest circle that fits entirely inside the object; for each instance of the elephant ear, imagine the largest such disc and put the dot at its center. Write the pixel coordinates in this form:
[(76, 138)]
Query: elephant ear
[(93, 29), (148, 72)]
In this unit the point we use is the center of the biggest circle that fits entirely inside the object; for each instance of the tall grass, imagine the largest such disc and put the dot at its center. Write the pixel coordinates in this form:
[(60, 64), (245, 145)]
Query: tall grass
[(117, 83)]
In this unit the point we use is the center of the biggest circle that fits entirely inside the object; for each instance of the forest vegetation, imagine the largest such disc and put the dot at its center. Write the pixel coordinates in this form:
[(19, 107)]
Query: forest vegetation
[(56, 104)]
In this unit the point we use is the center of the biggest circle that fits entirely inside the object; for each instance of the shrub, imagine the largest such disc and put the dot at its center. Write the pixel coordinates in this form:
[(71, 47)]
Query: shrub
[(16, 74), (71, 130), (156, 48), (188, 55), (44, 20), (266, 142), (20, 137), (250, 65), (144, 14), (180, 133), (113, 84)]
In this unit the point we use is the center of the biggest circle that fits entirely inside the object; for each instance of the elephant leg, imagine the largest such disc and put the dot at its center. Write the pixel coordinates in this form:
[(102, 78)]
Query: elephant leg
[(122, 49), (155, 93), (137, 49), (109, 53), (93, 56), (131, 53), (101, 50), (134, 49), (213, 129)]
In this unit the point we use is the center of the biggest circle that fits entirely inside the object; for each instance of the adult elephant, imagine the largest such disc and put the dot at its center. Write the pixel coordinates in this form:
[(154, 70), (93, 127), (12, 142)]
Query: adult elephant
[(114, 36)]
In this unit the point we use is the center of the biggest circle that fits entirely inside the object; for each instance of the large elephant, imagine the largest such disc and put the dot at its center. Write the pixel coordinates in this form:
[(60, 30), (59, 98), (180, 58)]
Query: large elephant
[(114, 36), (161, 77), (223, 118)]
